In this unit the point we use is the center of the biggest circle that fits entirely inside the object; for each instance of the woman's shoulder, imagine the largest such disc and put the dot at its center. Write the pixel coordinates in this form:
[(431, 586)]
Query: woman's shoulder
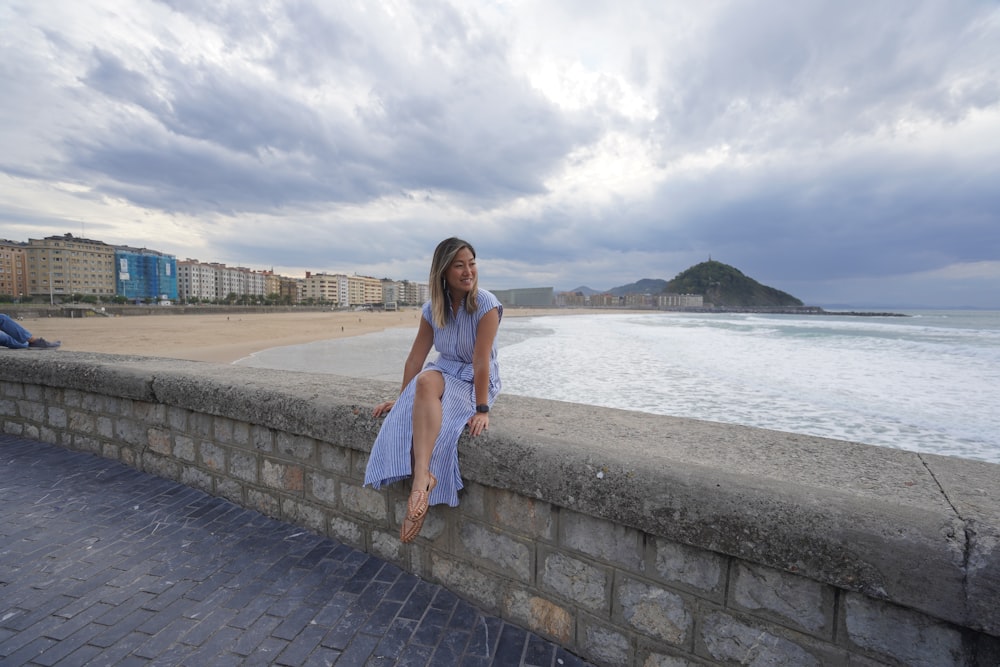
[(485, 297), (487, 301)]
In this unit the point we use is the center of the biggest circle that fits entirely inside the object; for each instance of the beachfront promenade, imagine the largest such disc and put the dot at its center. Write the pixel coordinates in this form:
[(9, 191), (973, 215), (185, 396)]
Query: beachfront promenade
[(625, 538), (103, 564)]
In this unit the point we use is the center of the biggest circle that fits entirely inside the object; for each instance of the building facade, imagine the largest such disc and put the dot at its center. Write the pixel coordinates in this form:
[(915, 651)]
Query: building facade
[(530, 297), (680, 301), (62, 266), (196, 280), (13, 269), (142, 274), (324, 288), (414, 294)]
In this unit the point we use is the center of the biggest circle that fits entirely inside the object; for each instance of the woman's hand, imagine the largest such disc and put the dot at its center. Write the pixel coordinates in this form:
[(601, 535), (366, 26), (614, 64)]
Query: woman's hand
[(383, 408), (478, 423)]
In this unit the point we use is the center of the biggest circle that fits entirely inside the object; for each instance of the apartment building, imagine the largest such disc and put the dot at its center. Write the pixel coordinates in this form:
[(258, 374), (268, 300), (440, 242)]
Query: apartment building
[(680, 301), (526, 297), (215, 281), (414, 294), (282, 288), (61, 266), (143, 274), (196, 280), (363, 290), (13, 269), (329, 288)]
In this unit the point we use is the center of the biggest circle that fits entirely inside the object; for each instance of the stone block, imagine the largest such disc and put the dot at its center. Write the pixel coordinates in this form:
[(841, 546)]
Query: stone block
[(362, 501), (579, 582), (149, 413), (200, 425), (903, 635), (482, 587), (265, 503), (387, 546), (12, 389), (57, 417), (213, 456), (34, 393), (13, 428), (33, 412), (8, 408), (49, 435), (93, 403), (797, 602), (359, 462), (82, 422), (497, 550), (72, 398), (322, 488), (472, 501), (655, 611), (281, 476), (130, 431), (602, 643), (298, 447), (347, 532), (241, 434), (222, 428), (121, 407), (159, 441), (539, 615), (177, 418), (93, 446), (196, 478), (105, 427), (184, 448), (334, 459), (243, 466), (698, 570), (303, 514), (161, 466), (229, 489), (262, 438), (129, 457), (527, 516), (603, 540), (727, 640)]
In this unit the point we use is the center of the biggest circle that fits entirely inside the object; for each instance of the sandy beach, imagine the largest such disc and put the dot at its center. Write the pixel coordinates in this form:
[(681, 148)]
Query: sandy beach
[(223, 338)]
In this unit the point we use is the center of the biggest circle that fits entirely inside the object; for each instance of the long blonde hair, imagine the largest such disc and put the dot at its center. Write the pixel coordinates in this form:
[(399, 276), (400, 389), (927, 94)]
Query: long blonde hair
[(444, 255)]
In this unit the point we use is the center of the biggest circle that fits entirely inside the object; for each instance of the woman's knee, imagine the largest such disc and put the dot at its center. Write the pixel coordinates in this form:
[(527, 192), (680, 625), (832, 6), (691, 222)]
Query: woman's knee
[(430, 384)]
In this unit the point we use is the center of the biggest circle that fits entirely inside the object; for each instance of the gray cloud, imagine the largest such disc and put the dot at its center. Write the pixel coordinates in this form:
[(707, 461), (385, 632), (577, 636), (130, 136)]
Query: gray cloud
[(574, 143)]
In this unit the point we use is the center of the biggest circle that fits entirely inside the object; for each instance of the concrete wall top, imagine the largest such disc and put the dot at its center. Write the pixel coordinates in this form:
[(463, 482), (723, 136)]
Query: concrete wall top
[(920, 530)]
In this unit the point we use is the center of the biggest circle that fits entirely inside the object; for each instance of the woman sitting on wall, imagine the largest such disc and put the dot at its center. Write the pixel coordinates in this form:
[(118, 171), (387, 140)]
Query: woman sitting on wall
[(420, 434)]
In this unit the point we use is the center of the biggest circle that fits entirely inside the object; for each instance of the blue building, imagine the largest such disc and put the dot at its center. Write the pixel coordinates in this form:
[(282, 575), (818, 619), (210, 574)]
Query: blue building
[(142, 274)]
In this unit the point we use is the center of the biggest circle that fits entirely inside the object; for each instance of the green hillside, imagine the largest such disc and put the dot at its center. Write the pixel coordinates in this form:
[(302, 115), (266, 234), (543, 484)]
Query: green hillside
[(644, 286), (724, 286)]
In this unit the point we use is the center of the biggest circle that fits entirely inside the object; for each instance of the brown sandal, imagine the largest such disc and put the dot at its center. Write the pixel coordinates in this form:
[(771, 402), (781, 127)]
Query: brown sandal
[(416, 512), (410, 529)]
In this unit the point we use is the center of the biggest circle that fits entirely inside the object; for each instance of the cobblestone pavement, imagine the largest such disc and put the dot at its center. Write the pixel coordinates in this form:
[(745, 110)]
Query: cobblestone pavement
[(101, 564)]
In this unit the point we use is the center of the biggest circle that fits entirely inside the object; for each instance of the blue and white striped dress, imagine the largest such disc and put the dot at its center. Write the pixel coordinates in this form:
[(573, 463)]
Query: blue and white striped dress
[(390, 460)]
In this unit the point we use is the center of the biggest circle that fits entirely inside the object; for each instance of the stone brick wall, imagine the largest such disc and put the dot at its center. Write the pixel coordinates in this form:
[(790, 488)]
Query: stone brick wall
[(561, 551)]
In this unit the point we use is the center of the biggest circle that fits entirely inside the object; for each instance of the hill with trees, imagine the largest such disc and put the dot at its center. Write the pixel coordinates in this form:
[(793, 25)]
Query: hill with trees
[(722, 286), (726, 287)]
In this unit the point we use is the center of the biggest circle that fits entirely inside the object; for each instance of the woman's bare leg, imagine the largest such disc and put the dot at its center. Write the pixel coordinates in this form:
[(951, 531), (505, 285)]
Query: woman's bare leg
[(426, 424)]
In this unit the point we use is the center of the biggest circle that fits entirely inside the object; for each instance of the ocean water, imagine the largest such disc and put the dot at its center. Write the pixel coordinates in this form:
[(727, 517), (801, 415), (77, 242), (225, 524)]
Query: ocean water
[(929, 382)]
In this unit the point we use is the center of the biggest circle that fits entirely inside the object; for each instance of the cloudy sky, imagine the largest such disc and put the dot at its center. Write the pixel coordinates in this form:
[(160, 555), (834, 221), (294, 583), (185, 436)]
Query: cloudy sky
[(845, 151)]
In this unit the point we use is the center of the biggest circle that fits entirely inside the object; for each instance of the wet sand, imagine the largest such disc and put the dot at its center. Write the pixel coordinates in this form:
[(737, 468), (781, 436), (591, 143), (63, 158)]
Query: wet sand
[(225, 338)]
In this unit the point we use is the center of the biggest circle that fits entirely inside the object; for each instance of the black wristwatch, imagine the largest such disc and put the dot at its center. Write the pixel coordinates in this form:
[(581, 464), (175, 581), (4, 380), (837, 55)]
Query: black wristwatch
[(482, 407)]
